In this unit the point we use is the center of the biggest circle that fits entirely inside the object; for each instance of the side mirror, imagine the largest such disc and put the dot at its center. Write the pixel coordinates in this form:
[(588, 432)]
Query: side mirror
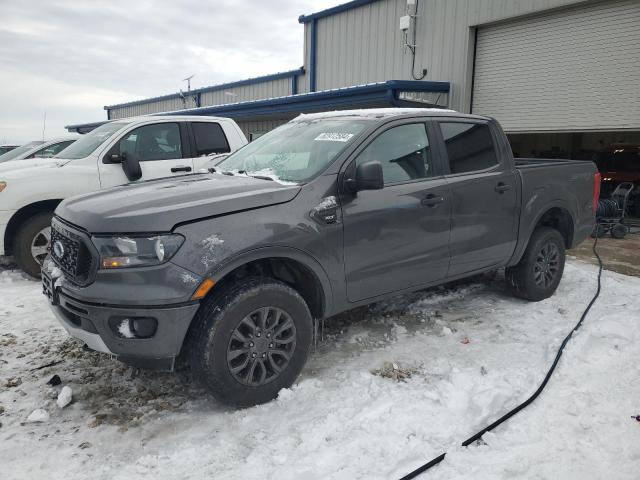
[(131, 166), (368, 176)]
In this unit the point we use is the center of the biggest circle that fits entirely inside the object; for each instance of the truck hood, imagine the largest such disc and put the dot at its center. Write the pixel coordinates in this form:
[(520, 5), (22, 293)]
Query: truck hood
[(159, 205), (25, 163)]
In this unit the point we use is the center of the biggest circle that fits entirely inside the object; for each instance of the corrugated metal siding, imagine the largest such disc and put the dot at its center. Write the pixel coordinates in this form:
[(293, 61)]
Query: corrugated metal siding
[(365, 44), (577, 69), (256, 91), (165, 105), (259, 126)]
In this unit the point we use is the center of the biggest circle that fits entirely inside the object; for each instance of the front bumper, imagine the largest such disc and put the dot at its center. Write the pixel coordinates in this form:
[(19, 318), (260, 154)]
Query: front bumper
[(96, 326)]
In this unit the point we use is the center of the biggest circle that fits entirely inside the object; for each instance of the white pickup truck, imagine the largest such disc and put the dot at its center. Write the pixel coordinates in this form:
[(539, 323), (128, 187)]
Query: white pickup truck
[(118, 152)]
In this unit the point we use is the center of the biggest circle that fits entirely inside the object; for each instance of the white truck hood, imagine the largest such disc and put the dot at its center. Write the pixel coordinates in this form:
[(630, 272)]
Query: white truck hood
[(12, 165)]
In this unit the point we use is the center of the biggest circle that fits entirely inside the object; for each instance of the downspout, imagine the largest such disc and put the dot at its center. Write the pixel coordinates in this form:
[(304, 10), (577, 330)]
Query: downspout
[(312, 56), (294, 84)]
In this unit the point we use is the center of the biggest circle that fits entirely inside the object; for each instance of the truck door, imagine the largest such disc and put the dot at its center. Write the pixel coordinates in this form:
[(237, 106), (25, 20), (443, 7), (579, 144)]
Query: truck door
[(160, 148), (397, 237), (484, 208)]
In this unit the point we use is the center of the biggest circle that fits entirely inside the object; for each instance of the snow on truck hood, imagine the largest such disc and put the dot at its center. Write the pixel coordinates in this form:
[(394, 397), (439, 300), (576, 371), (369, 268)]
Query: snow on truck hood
[(158, 205)]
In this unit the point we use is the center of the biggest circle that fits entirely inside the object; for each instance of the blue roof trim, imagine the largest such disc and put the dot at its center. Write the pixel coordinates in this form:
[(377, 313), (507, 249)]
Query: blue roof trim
[(385, 92), (213, 88), (333, 10)]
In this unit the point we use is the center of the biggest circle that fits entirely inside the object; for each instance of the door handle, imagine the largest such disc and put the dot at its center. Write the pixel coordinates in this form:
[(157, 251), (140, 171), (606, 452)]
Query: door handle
[(180, 169), (502, 187), (432, 200)]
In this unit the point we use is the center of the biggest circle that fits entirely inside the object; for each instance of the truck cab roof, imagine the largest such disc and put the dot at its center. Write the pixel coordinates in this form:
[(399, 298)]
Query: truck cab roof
[(385, 113)]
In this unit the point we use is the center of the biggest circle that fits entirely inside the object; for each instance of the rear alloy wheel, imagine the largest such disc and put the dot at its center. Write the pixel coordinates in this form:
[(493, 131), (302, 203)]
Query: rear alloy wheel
[(31, 243), (249, 340), (539, 271), (547, 265)]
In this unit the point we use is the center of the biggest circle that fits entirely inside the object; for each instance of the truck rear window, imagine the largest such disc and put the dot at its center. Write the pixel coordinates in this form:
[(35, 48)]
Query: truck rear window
[(209, 138), (469, 146)]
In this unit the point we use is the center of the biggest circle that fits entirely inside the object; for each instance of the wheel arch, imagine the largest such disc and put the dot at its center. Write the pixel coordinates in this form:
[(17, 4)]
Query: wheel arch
[(289, 265), (555, 215), (23, 214)]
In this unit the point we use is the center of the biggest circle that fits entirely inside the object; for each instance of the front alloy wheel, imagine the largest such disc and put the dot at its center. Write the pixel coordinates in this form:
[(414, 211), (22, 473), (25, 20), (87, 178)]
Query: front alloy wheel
[(261, 346), (249, 340), (40, 245), (31, 242)]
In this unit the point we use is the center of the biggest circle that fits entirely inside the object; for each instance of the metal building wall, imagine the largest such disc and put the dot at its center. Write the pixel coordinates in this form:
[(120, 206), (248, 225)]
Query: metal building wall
[(259, 126), (365, 44), (256, 91), (164, 105)]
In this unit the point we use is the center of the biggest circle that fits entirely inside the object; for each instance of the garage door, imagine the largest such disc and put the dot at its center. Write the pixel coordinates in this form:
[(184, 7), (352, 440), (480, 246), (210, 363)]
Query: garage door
[(572, 70)]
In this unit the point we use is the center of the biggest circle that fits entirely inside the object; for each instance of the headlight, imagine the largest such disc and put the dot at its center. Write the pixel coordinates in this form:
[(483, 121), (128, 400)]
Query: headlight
[(124, 251), (3, 185)]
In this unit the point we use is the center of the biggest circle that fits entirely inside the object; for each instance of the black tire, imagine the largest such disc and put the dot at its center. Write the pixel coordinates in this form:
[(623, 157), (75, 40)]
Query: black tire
[(619, 231), (222, 319), (529, 279), (24, 238)]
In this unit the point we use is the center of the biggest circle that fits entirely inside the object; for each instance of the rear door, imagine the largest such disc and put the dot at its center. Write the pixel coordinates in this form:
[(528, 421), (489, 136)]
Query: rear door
[(484, 209), (209, 140), (163, 150), (397, 237)]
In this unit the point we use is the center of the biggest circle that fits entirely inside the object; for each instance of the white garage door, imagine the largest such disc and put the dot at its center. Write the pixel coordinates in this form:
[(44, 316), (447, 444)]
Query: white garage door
[(573, 70)]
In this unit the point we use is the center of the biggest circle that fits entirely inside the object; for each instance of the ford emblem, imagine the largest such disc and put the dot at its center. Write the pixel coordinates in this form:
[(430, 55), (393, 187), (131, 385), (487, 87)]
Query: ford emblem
[(58, 249)]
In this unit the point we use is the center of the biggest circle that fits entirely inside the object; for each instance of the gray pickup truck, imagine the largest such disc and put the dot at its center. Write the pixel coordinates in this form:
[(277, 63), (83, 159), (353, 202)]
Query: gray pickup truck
[(232, 269)]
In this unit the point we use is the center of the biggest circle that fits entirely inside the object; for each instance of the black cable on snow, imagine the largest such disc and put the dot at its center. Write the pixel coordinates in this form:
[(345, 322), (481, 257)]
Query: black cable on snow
[(528, 401)]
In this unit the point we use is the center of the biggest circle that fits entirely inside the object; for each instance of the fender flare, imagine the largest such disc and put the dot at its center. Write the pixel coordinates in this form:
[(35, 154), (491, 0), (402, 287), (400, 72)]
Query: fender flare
[(241, 258), (522, 244)]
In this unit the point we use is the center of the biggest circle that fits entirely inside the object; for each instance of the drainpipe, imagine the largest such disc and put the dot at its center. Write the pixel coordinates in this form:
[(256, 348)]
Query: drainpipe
[(312, 55)]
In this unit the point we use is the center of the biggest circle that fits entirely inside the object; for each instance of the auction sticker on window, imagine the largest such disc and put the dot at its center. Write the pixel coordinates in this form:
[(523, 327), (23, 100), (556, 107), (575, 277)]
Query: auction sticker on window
[(333, 137)]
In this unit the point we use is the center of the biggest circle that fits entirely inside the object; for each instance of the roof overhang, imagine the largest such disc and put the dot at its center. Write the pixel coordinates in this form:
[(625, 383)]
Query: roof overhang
[(392, 93), (333, 10)]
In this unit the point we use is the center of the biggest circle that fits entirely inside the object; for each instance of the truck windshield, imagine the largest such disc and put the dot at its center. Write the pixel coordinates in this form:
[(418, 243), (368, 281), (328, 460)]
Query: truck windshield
[(16, 152), (295, 152), (89, 142)]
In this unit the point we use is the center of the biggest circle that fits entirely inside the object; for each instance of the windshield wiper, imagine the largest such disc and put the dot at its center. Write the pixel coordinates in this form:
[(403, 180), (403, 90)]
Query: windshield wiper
[(261, 177), (230, 174)]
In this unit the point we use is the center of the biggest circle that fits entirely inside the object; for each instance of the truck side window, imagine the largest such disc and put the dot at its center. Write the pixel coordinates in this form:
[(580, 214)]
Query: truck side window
[(210, 138), (160, 141), (403, 151), (469, 146)]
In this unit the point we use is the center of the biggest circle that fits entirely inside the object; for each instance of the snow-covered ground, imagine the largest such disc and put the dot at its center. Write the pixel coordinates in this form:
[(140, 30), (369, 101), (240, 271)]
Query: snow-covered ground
[(465, 354)]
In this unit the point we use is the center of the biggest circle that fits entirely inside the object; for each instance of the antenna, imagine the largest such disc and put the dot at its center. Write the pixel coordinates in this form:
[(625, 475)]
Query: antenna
[(188, 80), (44, 124)]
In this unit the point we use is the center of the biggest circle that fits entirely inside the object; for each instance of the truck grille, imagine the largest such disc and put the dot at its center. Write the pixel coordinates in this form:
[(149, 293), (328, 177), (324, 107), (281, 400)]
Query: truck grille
[(70, 254)]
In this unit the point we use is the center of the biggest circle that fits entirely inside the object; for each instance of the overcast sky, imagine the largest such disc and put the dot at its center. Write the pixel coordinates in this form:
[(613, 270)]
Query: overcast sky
[(72, 57)]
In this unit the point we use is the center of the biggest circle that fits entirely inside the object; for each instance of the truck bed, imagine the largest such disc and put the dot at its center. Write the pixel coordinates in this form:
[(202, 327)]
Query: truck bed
[(546, 162)]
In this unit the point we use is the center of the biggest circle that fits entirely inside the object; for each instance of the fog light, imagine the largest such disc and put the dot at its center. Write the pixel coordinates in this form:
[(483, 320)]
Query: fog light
[(135, 327), (144, 327)]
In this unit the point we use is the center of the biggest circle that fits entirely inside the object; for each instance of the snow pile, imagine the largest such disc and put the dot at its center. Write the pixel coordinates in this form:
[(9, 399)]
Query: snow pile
[(432, 389)]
